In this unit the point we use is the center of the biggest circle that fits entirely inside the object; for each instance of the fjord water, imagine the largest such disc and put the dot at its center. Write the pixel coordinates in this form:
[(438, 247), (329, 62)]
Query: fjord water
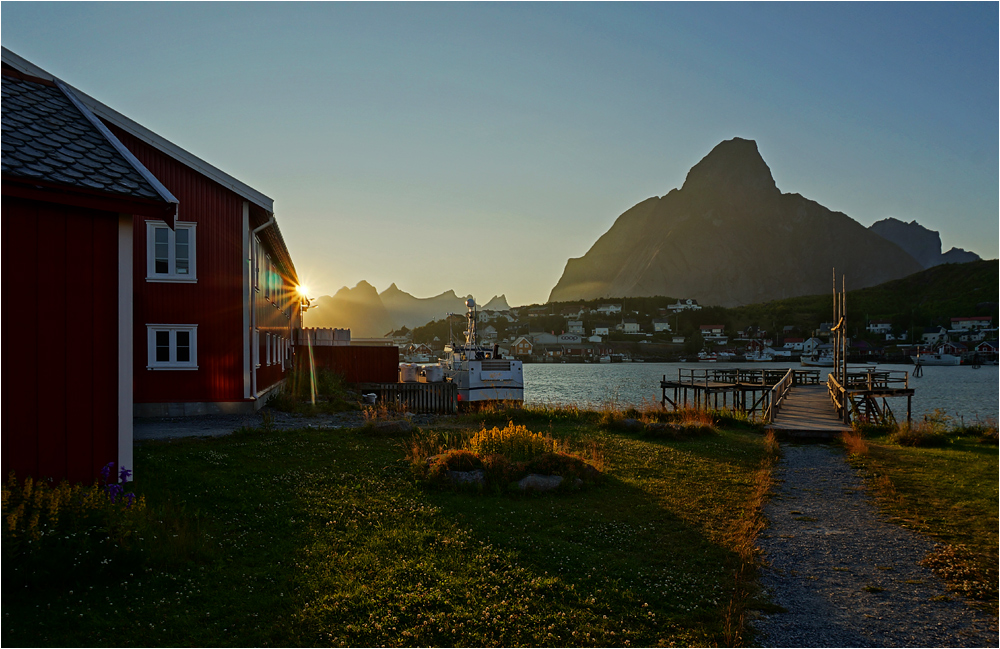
[(964, 393)]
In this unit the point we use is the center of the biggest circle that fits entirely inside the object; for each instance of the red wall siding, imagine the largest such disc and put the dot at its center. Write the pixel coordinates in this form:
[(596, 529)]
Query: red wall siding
[(357, 364), (60, 364), (214, 303)]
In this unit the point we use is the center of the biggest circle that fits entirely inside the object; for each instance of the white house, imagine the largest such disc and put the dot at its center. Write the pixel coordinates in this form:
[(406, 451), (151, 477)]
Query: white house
[(661, 324), (575, 327), (972, 323), (879, 326), (685, 305), (601, 330), (934, 335), (630, 326), (543, 338), (609, 309)]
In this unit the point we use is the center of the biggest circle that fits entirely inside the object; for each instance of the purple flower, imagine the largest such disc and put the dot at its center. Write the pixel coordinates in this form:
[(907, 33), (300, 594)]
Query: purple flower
[(124, 475), (106, 472)]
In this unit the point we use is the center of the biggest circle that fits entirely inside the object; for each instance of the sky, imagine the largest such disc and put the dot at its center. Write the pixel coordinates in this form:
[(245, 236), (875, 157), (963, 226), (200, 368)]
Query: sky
[(477, 147)]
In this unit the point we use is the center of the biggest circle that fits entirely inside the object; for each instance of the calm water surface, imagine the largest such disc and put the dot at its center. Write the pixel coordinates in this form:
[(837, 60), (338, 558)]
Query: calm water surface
[(962, 392)]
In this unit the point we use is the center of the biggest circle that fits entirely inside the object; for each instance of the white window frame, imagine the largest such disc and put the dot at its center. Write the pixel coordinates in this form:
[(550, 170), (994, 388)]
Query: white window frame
[(173, 363), (267, 348), (172, 276), (256, 348)]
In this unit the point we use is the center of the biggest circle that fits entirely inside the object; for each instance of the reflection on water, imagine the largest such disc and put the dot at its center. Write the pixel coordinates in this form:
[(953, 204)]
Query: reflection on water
[(963, 392)]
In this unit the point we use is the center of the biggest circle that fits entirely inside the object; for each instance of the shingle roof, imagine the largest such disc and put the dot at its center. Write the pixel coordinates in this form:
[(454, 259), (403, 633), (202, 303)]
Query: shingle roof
[(48, 138)]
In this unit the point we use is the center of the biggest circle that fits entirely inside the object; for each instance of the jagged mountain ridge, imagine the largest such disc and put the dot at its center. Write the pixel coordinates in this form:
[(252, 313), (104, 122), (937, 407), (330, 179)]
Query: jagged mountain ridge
[(729, 237), (368, 313), (922, 243)]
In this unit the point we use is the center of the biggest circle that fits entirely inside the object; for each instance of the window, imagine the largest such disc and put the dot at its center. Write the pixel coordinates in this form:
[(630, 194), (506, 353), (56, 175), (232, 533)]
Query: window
[(172, 347), (170, 254), (267, 351)]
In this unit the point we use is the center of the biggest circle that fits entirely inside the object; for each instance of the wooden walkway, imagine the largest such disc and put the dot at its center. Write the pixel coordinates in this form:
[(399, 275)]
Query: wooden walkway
[(808, 412)]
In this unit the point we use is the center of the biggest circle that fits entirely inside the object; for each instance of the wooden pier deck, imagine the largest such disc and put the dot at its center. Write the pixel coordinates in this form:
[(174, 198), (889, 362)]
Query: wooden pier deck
[(807, 411)]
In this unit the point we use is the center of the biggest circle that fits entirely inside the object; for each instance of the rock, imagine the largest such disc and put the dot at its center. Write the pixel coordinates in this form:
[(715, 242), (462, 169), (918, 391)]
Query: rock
[(632, 424), (536, 482), (467, 477)]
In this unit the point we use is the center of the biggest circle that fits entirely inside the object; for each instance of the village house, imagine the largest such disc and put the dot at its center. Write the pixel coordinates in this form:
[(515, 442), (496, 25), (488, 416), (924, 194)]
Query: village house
[(609, 309), (661, 324), (72, 196), (601, 329), (543, 338), (880, 327), (521, 347), (538, 311), (630, 326), (987, 350), (215, 291), (971, 323), (715, 333), (793, 344), (685, 305), (934, 335), (575, 327)]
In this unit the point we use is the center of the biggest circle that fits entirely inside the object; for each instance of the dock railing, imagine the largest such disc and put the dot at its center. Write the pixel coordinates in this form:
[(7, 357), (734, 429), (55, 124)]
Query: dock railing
[(838, 395), (778, 393)]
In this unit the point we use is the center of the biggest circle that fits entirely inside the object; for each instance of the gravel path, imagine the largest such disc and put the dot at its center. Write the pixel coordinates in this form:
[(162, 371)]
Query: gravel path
[(847, 577)]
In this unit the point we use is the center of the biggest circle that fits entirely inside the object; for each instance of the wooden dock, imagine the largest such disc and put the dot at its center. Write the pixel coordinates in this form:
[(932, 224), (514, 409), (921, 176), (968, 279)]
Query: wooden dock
[(807, 412), (747, 391)]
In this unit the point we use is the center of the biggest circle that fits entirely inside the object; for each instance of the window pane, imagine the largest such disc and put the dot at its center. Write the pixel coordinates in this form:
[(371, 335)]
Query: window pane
[(183, 346), (161, 263), (162, 346)]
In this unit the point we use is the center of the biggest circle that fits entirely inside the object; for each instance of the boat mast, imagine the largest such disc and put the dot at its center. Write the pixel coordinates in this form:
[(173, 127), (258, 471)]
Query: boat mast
[(470, 332)]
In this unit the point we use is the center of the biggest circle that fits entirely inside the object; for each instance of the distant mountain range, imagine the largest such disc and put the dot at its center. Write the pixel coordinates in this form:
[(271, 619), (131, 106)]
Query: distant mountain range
[(368, 313), (729, 237), (923, 245)]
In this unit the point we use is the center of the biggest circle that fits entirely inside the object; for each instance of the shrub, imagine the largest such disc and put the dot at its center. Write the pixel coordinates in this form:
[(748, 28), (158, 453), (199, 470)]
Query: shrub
[(516, 443), (56, 533), (919, 434)]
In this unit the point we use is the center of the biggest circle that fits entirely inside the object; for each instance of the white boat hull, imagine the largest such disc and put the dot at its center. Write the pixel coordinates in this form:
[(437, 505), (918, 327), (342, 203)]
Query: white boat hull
[(487, 379), (936, 359)]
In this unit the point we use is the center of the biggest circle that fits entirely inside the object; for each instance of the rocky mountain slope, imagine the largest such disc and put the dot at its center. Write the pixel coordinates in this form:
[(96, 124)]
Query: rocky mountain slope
[(922, 243), (368, 313), (729, 237)]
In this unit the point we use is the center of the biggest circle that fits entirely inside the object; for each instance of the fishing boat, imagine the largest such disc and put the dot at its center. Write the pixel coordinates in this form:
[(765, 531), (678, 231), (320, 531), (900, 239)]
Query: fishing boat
[(936, 358), (759, 356), (705, 357), (482, 373), (824, 359)]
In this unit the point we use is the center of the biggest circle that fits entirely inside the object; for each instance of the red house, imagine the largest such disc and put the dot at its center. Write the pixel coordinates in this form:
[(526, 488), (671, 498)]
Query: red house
[(216, 296), (70, 196)]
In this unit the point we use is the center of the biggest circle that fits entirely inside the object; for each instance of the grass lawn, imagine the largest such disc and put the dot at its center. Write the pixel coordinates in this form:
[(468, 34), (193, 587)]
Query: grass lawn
[(948, 493), (325, 538)]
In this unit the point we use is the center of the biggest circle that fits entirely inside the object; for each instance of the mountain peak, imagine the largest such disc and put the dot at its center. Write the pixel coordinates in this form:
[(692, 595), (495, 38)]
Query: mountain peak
[(733, 167)]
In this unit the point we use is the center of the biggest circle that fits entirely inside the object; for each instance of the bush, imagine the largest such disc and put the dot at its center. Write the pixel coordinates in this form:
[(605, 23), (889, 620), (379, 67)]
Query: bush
[(516, 443), (919, 434), (68, 531)]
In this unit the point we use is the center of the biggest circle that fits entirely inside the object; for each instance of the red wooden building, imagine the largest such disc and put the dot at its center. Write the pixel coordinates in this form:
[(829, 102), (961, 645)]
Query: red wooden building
[(70, 195), (216, 297)]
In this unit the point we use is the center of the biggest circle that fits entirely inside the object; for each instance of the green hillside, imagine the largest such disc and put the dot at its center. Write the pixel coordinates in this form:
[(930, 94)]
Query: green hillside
[(930, 297)]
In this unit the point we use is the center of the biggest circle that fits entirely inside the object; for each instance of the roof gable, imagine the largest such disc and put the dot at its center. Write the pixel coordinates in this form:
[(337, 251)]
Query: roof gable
[(114, 117), (48, 136)]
